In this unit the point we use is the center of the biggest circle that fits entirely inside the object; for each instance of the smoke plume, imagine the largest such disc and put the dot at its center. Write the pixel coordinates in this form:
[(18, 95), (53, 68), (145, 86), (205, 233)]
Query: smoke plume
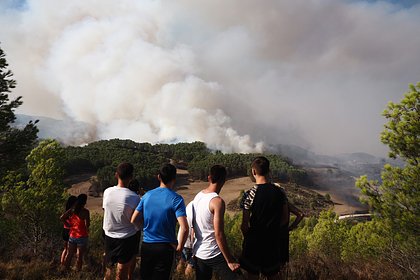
[(239, 75)]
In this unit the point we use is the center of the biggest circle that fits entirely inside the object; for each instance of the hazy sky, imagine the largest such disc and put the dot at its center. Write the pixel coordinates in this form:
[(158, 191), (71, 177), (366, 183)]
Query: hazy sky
[(238, 75)]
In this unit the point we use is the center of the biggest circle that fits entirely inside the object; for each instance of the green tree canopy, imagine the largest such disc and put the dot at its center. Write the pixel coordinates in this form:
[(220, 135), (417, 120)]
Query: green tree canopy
[(35, 204), (15, 144), (396, 200), (402, 132)]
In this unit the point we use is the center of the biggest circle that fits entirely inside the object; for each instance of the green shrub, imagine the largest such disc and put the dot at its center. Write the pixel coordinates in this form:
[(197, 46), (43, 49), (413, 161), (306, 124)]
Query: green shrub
[(328, 236)]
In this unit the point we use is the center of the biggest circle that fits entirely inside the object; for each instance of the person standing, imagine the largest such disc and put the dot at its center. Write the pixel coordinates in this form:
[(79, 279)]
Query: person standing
[(210, 249), (158, 211), (121, 240), (78, 220), (186, 263), (66, 230), (265, 217)]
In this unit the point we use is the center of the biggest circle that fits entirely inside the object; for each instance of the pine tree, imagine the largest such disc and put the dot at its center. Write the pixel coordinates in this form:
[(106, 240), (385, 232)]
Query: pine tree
[(15, 143)]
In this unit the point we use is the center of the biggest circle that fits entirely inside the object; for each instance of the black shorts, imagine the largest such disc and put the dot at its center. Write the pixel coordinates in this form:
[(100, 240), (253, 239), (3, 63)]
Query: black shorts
[(65, 234), (264, 255), (121, 250), (217, 265)]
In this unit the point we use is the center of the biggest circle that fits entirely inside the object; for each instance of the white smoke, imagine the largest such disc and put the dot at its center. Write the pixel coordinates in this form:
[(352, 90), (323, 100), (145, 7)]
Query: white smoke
[(233, 74)]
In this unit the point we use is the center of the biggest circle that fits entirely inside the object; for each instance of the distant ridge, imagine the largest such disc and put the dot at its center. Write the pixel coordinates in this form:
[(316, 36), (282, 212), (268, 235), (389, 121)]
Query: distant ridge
[(66, 131)]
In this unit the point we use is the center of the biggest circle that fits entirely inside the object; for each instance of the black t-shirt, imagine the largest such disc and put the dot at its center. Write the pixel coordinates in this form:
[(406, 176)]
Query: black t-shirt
[(265, 202)]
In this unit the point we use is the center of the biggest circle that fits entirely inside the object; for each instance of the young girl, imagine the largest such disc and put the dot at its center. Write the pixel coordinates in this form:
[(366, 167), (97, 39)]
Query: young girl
[(78, 218), (66, 229)]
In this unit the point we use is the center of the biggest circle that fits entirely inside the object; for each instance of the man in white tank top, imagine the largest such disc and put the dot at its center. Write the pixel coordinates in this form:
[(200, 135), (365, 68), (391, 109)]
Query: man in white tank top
[(211, 250)]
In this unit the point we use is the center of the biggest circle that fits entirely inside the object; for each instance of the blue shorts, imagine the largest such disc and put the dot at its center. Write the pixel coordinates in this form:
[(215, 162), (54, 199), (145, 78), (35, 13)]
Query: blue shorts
[(82, 241), (187, 256)]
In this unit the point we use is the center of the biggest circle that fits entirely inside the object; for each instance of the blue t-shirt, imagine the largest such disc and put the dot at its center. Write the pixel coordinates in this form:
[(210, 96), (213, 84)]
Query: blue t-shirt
[(161, 207)]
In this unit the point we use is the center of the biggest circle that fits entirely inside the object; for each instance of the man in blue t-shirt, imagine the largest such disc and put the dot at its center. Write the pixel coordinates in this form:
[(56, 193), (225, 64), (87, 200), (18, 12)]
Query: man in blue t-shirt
[(158, 211)]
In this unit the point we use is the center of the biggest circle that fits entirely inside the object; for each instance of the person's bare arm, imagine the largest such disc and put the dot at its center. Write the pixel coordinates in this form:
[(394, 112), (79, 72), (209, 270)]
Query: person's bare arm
[(299, 216), (87, 220), (183, 233), (217, 207), (64, 217), (137, 219)]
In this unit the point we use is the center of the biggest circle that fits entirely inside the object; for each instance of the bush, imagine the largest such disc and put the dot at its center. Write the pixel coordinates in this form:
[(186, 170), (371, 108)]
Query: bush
[(233, 233), (366, 241), (328, 236)]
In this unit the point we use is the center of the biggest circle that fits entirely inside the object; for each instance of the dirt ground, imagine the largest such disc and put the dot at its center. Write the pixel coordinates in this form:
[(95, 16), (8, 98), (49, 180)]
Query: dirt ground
[(188, 189)]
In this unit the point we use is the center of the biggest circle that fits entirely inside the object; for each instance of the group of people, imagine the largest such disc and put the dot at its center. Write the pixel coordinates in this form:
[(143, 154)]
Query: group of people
[(201, 239), (76, 222)]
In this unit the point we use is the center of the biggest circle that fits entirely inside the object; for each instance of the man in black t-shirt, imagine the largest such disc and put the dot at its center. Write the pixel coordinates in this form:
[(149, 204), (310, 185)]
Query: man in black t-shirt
[(264, 225)]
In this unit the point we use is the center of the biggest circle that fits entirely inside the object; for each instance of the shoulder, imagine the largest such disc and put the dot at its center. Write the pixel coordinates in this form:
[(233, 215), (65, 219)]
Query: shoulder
[(85, 212), (173, 194), (217, 204), (251, 192), (217, 201), (108, 190), (248, 198), (280, 189), (178, 199)]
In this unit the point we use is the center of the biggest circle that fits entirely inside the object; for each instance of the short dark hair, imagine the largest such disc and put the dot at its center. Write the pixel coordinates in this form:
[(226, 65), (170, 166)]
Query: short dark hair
[(80, 202), (125, 170), (218, 173), (134, 185), (261, 165), (70, 202), (167, 173), (82, 199)]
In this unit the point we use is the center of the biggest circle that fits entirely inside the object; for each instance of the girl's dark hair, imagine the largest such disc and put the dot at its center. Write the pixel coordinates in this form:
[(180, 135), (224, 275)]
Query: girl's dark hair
[(70, 202), (81, 201), (134, 186)]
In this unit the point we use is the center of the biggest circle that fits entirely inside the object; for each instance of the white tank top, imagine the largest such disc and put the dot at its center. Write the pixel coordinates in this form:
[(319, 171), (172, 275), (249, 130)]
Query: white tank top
[(205, 246)]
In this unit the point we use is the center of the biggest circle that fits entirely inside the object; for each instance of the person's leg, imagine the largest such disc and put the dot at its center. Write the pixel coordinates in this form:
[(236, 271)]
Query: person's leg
[(133, 261), (126, 260), (189, 270), (146, 261), (64, 253), (123, 271), (81, 250), (132, 267), (72, 248), (164, 261), (202, 271), (180, 267), (182, 262), (108, 273)]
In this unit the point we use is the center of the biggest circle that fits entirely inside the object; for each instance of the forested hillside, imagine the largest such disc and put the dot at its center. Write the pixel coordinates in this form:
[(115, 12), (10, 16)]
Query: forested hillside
[(103, 156)]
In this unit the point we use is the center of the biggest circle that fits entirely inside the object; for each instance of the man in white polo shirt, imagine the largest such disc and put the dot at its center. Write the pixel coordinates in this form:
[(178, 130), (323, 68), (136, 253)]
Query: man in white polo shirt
[(121, 237)]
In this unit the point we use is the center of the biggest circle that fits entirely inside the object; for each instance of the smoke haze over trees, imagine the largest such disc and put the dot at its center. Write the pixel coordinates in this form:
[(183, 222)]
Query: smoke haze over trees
[(232, 74)]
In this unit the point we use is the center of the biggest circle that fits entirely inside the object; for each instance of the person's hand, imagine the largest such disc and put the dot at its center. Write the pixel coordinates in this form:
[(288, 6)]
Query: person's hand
[(234, 266)]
